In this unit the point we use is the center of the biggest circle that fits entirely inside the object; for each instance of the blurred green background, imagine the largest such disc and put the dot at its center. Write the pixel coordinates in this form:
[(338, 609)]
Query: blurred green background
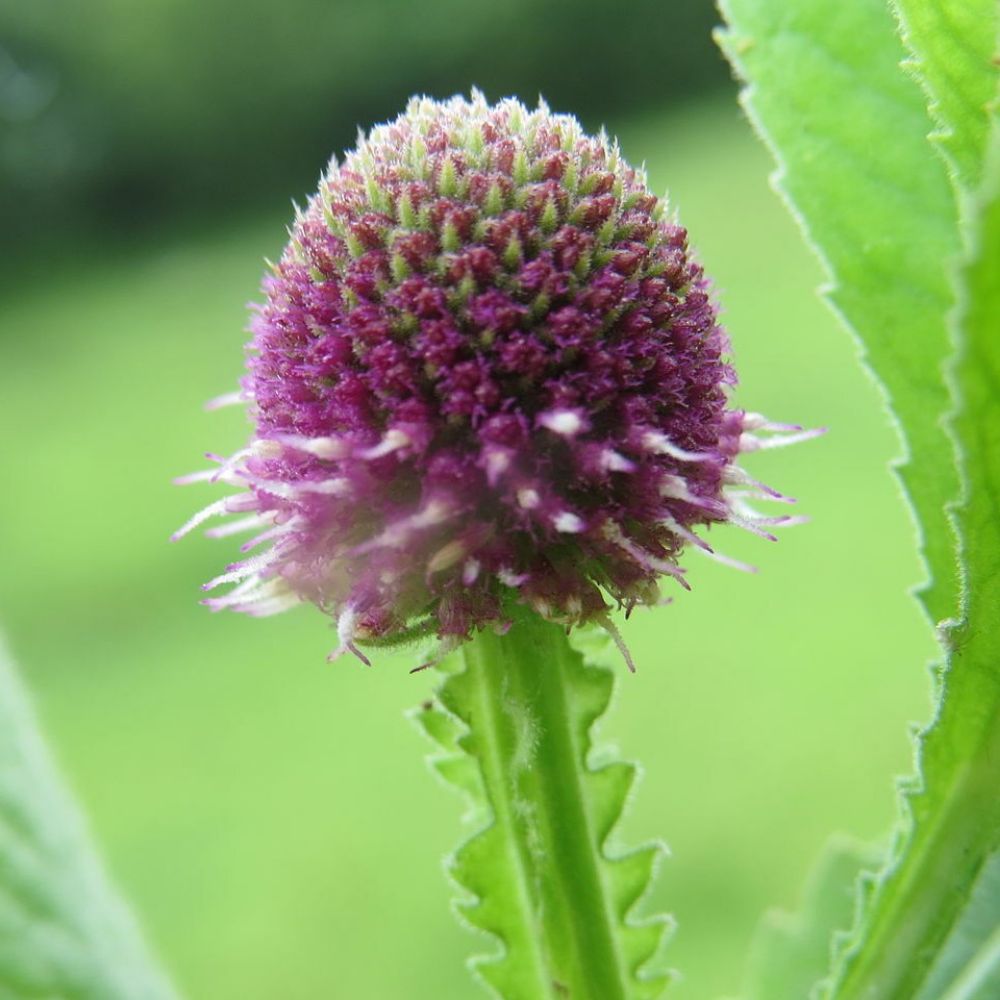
[(270, 814)]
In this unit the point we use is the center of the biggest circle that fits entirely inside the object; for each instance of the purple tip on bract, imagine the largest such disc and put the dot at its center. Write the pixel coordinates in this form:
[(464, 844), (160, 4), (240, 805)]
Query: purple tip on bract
[(487, 369)]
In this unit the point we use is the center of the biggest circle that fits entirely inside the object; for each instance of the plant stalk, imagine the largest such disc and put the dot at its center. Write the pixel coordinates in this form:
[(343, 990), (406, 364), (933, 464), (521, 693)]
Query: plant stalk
[(543, 881)]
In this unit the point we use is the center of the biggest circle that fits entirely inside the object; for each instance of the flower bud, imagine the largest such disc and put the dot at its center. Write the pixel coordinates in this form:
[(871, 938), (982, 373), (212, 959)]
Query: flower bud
[(487, 369)]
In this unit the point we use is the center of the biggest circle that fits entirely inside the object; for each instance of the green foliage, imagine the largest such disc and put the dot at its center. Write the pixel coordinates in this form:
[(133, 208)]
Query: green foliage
[(931, 889), (791, 952), (973, 939), (953, 43), (849, 132), (515, 731), (63, 930), (860, 139), (963, 751)]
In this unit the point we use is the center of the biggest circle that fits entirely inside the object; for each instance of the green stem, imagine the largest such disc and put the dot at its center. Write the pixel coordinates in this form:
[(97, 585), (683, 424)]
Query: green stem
[(532, 777), (538, 868)]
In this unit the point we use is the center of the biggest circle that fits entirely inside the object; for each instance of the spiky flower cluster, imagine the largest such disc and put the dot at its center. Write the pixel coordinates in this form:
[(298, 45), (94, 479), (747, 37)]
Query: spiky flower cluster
[(486, 369)]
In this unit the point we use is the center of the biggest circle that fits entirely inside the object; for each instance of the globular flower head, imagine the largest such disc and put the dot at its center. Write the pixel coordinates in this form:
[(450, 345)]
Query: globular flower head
[(486, 369)]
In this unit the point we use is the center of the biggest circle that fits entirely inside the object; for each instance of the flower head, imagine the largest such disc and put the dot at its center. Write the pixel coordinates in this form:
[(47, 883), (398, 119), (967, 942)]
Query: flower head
[(486, 369)]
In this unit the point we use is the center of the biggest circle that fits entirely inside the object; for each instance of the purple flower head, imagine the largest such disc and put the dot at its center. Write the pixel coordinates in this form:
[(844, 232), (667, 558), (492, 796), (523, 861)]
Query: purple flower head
[(486, 369)]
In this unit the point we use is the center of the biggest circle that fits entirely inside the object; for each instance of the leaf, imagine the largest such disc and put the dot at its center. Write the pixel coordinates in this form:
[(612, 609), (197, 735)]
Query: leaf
[(966, 740), (953, 43), (64, 932), (972, 938), (539, 872), (792, 951), (848, 130), (979, 980), (952, 813), (930, 889)]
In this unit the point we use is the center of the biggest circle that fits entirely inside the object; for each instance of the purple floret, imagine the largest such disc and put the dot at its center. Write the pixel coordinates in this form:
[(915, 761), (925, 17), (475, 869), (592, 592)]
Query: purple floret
[(486, 369)]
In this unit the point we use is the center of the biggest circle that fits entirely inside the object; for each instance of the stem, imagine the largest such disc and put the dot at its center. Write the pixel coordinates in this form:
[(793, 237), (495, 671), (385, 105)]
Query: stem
[(533, 780), (538, 869)]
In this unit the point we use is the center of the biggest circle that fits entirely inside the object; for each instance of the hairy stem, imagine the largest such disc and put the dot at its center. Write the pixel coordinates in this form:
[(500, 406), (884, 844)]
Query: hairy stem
[(542, 879), (532, 778)]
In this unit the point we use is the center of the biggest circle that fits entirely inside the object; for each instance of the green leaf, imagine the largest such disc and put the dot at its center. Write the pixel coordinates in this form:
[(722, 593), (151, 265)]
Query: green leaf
[(64, 932), (791, 952), (956, 818), (953, 43), (968, 958), (540, 871), (910, 919), (980, 979), (970, 724), (848, 129)]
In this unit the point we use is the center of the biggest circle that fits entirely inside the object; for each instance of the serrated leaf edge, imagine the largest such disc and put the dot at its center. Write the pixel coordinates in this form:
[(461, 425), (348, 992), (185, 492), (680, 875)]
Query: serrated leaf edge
[(592, 647)]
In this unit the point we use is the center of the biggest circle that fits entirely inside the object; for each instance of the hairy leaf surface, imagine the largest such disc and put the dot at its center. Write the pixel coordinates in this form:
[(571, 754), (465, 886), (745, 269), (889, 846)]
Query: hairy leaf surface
[(64, 932), (953, 44)]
